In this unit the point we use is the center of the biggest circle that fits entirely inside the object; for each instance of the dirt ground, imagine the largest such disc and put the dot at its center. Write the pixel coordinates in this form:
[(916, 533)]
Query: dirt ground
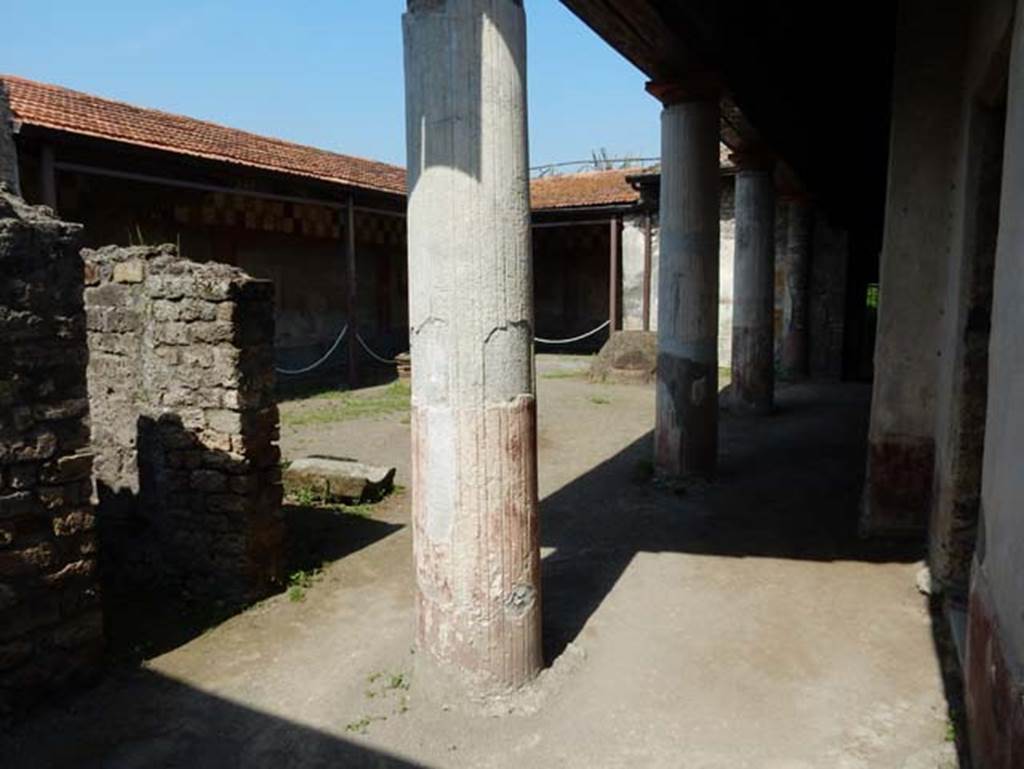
[(738, 624)]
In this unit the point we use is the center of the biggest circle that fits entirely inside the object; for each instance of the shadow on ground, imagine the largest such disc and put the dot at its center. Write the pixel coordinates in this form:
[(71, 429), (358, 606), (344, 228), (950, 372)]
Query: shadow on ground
[(789, 487), (144, 623), (174, 725)]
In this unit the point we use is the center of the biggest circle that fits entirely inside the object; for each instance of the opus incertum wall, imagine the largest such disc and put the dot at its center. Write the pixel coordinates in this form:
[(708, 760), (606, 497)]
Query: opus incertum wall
[(51, 628), (184, 423)]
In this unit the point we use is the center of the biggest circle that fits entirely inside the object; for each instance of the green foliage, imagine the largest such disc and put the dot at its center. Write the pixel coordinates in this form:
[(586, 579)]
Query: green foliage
[(300, 582), (872, 296), (307, 496)]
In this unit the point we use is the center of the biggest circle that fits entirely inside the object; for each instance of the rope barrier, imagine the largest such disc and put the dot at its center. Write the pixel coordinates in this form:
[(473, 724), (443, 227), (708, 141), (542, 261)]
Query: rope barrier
[(391, 361), (573, 339), (307, 369), (372, 354)]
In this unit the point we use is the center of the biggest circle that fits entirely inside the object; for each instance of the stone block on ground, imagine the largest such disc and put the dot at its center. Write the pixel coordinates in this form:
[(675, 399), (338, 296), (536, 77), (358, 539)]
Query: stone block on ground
[(628, 357), (336, 479)]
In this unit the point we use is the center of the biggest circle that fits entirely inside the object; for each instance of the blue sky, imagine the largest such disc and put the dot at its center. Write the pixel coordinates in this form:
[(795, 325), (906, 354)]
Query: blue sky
[(320, 72)]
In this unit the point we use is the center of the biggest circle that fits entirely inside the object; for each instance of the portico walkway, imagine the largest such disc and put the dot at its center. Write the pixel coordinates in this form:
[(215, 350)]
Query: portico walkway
[(741, 624)]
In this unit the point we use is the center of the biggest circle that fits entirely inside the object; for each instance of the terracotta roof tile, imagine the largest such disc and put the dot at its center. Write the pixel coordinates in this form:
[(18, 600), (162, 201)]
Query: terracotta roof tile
[(597, 188), (592, 188), (52, 106), (63, 109)]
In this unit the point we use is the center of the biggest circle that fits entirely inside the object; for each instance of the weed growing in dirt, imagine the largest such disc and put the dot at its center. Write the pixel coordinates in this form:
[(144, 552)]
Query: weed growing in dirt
[(307, 496), (599, 400), (300, 582), (363, 724), (387, 689)]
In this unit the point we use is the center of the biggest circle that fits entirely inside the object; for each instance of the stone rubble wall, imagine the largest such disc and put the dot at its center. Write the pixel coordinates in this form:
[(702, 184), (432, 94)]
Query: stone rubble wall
[(51, 625), (185, 423)]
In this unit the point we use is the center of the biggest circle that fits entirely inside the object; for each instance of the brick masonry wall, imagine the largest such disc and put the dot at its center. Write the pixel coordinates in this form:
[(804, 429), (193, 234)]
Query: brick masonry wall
[(51, 627), (185, 423)]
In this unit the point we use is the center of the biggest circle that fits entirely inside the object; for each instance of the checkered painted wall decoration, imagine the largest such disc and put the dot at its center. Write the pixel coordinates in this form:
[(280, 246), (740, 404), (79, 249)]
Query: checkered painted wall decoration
[(306, 219)]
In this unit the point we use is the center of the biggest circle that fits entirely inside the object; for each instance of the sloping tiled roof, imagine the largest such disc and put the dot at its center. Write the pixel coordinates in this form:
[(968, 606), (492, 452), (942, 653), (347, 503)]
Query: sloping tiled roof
[(52, 106), (592, 188)]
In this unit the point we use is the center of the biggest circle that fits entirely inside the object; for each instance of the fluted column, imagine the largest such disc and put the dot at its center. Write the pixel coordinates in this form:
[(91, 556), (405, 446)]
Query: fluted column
[(474, 446), (753, 355), (797, 272), (686, 422)]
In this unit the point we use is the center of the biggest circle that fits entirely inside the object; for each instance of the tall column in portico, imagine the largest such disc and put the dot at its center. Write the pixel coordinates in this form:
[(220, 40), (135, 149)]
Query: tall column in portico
[(753, 349), (797, 272), (474, 450), (686, 422)]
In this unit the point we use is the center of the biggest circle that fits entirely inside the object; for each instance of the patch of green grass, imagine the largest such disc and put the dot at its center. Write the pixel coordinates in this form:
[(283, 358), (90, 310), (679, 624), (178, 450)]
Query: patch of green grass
[(363, 511), (300, 582), (335, 406), (950, 731), (563, 374), (307, 496), (599, 400)]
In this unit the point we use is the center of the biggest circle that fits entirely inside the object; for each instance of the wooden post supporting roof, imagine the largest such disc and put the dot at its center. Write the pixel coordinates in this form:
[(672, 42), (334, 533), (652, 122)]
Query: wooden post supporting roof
[(648, 265), (48, 177), (614, 274), (351, 307)]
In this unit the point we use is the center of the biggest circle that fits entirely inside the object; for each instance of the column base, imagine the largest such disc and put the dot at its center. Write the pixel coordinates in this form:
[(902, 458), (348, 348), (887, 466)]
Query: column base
[(686, 425), (752, 391), (794, 358), (898, 488), (476, 547)]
